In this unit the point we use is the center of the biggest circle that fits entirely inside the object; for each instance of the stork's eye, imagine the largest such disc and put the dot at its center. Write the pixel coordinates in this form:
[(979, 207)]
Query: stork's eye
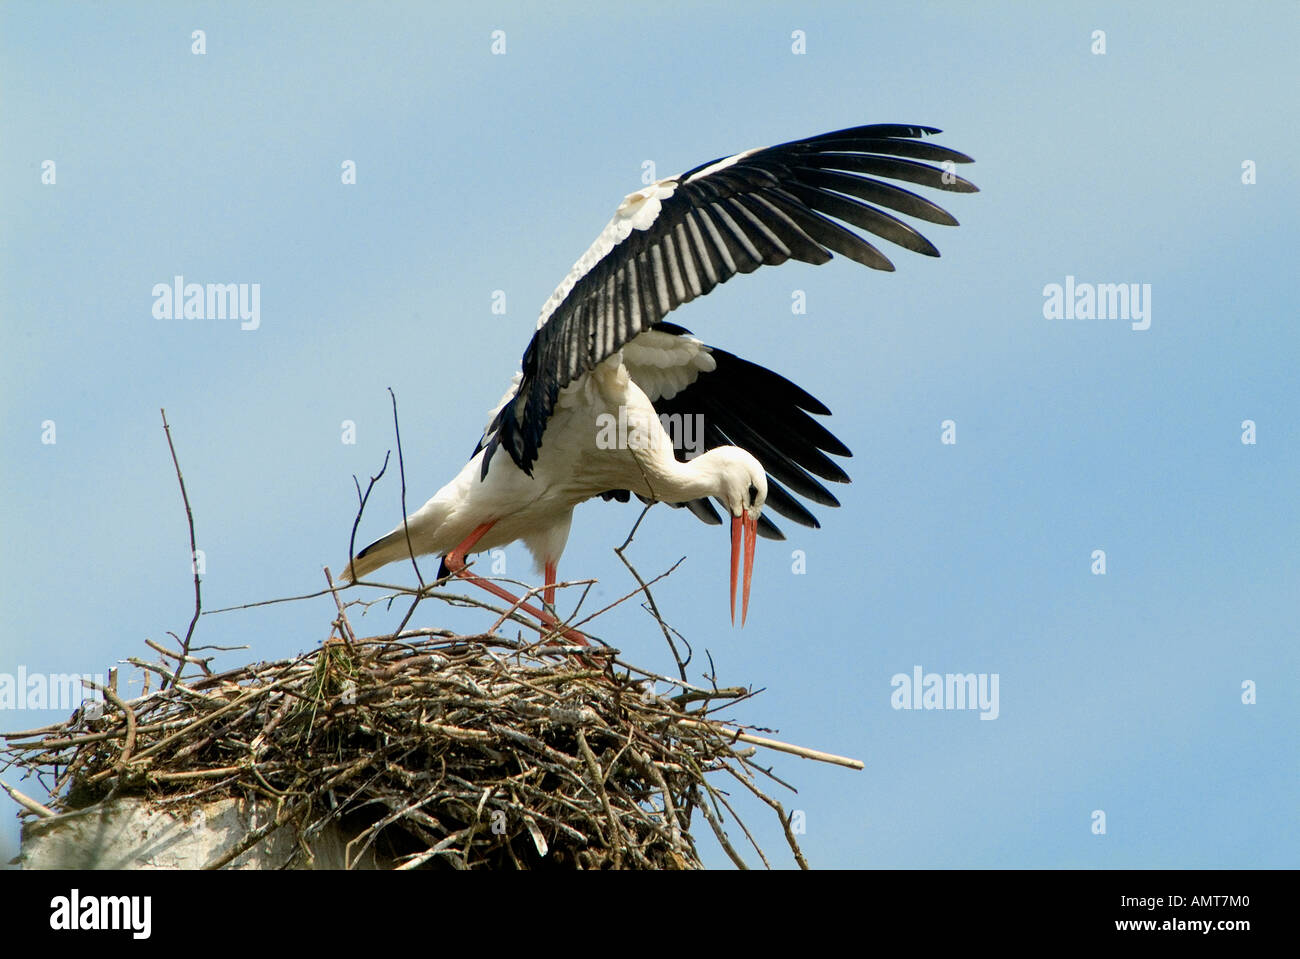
[(753, 494)]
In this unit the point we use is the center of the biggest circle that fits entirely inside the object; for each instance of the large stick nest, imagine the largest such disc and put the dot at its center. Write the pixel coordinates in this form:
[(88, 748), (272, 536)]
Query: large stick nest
[(428, 749), (433, 751)]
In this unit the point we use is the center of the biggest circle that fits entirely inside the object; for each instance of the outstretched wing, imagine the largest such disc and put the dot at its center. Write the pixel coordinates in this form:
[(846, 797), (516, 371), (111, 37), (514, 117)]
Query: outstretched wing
[(707, 397), (680, 237)]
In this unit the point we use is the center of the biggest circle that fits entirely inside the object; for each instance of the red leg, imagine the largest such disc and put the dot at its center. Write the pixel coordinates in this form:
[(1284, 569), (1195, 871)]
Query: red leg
[(548, 593), (456, 564)]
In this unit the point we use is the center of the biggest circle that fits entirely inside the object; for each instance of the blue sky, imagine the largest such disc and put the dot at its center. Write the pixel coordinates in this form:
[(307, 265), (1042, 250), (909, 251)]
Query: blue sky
[(479, 172)]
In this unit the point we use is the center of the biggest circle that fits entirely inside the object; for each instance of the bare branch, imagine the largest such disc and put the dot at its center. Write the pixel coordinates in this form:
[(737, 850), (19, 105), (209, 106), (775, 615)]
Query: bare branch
[(650, 600), (361, 508), (401, 468), (194, 549)]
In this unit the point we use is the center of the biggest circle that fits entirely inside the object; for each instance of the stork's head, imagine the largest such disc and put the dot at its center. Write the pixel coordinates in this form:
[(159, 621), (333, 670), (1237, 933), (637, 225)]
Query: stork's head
[(743, 490)]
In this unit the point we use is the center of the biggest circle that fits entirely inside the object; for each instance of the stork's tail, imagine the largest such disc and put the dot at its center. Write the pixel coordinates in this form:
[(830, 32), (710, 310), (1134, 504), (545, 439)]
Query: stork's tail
[(381, 552)]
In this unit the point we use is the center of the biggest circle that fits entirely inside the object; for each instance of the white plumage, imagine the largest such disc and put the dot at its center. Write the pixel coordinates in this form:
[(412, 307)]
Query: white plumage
[(602, 355), (537, 509)]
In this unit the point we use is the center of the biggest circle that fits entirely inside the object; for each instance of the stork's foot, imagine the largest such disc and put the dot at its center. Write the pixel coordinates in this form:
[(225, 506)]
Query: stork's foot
[(568, 633), (454, 563)]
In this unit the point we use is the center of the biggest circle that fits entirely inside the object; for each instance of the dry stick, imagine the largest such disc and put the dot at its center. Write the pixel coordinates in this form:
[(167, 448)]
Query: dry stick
[(157, 747), (258, 744), (535, 590), (442, 846), (544, 629), (587, 586), (189, 517), (195, 774), (654, 609), (361, 508), (728, 692), (31, 733), (598, 779), (765, 770), (345, 628), (670, 810), (519, 601), (190, 796), (776, 744), (129, 746), (741, 823), (372, 833), (151, 667), (618, 602), (61, 780), (201, 662), (449, 598), (739, 697), (409, 613), (186, 751), (130, 728), (722, 836), (88, 738), (401, 468), (31, 805), (780, 814), (683, 684), (265, 602), (453, 599)]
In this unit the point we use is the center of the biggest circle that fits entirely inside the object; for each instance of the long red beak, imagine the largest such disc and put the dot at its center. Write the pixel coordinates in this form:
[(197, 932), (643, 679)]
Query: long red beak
[(749, 527)]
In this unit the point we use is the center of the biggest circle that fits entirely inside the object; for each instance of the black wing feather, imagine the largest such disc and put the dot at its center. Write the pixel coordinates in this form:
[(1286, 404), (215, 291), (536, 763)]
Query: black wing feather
[(747, 405), (776, 204)]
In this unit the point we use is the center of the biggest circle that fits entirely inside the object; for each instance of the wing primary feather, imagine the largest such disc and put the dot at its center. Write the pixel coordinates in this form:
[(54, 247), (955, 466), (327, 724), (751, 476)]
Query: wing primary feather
[(686, 258), (749, 259), (801, 245), (894, 168), (702, 251), (779, 499), (679, 238), (830, 234), (775, 461), (646, 284), (664, 303), (720, 245), (879, 192), (777, 252), (913, 149), (672, 265), (865, 217), (633, 295)]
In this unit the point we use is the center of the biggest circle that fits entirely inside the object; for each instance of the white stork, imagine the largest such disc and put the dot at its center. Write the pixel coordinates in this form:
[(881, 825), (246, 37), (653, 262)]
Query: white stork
[(601, 348)]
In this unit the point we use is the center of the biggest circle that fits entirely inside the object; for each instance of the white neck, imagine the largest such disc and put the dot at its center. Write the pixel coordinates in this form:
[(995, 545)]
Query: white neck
[(672, 481)]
